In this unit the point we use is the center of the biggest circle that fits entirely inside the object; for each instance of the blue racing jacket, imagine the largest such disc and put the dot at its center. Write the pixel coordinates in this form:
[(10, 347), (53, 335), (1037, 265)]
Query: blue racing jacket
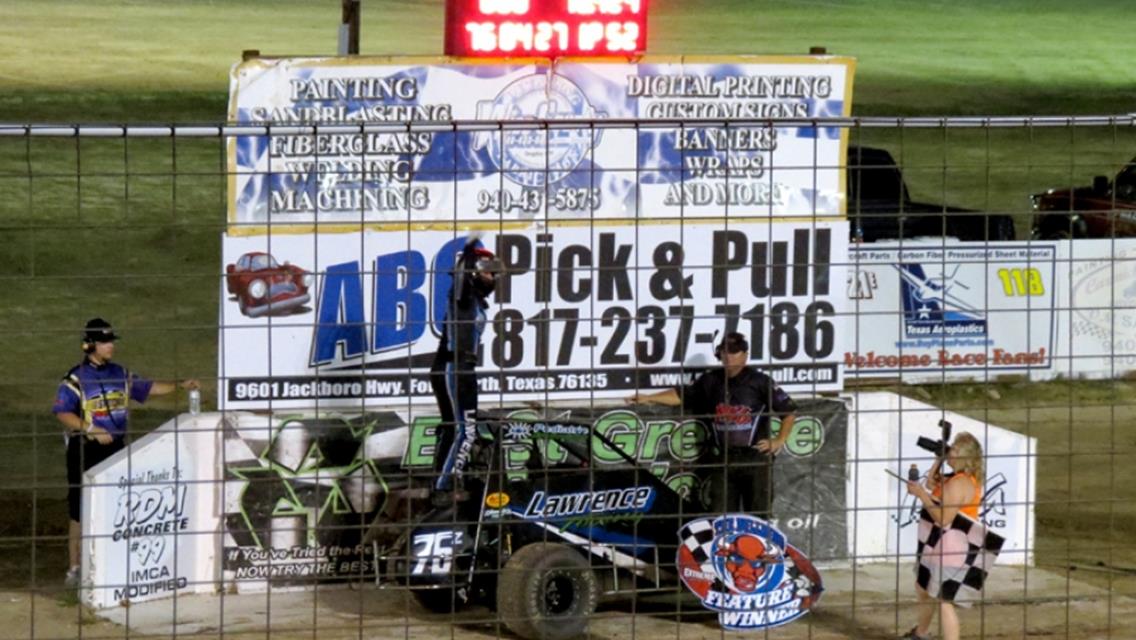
[(101, 395)]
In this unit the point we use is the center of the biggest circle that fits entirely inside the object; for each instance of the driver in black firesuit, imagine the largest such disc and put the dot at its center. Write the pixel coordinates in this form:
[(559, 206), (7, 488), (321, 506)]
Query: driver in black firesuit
[(454, 372)]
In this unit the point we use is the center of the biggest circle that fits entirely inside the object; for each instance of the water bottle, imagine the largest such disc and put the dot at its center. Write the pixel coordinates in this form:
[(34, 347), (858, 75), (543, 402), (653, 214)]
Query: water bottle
[(194, 401), (913, 473)]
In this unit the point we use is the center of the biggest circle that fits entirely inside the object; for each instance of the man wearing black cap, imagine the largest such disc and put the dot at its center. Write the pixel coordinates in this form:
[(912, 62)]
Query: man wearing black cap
[(738, 401), (93, 402), (453, 375)]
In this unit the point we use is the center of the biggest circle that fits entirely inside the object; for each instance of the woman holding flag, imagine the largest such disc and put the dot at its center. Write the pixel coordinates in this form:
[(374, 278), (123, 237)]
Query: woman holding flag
[(950, 520)]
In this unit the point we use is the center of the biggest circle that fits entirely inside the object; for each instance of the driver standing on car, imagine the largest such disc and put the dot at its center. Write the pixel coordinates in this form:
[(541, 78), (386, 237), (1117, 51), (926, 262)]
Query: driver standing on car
[(454, 372), (93, 403), (738, 402)]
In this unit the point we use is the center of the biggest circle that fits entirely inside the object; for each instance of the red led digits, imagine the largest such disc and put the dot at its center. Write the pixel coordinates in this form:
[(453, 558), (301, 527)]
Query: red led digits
[(503, 7), (608, 7), (545, 29)]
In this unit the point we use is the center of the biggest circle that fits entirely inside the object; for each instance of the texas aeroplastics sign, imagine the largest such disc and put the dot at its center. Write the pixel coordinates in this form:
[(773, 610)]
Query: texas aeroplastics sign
[(944, 309), (580, 312), (399, 168)]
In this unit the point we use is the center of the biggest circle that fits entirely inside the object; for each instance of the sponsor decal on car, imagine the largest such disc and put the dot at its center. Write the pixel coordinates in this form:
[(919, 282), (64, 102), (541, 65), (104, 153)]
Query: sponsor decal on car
[(566, 505), (745, 569), (497, 500)]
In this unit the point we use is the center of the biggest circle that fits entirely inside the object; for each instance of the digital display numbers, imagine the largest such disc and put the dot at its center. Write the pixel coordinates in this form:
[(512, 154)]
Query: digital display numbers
[(546, 28)]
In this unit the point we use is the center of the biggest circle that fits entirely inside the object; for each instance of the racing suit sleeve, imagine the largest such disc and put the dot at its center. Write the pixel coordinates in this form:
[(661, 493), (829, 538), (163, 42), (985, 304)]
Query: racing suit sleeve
[(67, 397), (462, 330)]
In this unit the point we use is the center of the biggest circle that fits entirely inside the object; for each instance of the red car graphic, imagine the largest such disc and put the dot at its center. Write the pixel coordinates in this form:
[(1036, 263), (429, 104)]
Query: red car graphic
[(264, 287)]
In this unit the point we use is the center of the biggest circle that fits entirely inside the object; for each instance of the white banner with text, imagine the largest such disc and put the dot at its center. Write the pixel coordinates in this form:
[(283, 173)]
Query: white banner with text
[(150, 516), (934, 310), (395, 157), (352, 318), (929, 310)]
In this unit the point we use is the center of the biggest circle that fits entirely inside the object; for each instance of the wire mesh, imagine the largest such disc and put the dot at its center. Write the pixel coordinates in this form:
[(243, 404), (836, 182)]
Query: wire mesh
[(274, 495)]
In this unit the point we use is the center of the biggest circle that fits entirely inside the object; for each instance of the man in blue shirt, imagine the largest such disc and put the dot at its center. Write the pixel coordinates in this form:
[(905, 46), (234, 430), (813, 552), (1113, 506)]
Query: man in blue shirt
[(93, 403)]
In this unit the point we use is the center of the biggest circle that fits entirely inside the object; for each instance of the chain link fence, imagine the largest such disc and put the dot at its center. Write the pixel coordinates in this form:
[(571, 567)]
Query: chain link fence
[(984, 276)]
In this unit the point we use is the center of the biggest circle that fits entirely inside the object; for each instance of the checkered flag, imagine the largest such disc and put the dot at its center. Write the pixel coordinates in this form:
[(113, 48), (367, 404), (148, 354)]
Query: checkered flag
[(954, 561), (698, 538)]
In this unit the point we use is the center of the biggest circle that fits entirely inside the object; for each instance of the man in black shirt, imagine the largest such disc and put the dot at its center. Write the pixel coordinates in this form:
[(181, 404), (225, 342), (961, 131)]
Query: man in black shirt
[(737, 402)]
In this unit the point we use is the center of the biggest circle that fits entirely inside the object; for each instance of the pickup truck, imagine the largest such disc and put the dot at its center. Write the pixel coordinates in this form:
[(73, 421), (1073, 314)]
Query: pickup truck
[(880, 207), (1107, 209)]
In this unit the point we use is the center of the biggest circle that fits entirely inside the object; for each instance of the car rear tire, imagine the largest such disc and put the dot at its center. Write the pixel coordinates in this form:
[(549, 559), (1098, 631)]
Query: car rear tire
[(547, 591)]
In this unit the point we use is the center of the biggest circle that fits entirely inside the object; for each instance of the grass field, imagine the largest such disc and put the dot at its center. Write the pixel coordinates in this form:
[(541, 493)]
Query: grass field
[(130, 229)]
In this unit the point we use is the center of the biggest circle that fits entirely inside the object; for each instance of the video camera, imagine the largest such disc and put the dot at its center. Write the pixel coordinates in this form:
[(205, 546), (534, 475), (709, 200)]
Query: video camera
[(937, 447)]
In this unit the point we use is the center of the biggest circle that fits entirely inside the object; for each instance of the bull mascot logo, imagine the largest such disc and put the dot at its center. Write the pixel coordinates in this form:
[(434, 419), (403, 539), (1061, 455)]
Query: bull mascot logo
[(744, 568), (746, 562)]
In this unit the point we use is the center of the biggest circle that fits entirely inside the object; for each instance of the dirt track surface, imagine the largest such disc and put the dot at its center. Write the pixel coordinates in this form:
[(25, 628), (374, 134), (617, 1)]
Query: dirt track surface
[(872, 602)]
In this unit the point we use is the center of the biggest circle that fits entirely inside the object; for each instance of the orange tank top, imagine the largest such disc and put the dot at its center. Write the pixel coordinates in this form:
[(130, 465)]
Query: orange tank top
[(971, 507)]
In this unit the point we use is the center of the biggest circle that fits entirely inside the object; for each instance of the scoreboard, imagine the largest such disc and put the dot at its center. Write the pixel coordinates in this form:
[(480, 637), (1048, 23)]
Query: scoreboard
[(546, 28)]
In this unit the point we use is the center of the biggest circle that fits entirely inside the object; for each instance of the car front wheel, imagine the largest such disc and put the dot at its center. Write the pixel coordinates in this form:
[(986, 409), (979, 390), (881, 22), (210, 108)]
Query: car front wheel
[(547, 591)]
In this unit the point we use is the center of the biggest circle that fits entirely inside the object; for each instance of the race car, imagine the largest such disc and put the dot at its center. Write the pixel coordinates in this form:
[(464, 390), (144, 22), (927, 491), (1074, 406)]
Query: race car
[(263, 286), (543, 535)]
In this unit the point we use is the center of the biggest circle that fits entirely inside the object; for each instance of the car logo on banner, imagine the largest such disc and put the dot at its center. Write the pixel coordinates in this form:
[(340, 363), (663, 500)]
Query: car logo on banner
[(931, 310), (745, 569)]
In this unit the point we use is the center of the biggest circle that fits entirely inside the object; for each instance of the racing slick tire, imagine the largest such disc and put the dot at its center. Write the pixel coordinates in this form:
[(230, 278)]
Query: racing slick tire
[(547, 591)]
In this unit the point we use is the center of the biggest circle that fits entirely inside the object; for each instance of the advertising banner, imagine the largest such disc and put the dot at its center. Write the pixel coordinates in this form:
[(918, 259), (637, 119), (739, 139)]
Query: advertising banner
[(148, 516), (1102, 308), (809, 479), (579, 311), (385, 148), (929, 310), (301, 491)]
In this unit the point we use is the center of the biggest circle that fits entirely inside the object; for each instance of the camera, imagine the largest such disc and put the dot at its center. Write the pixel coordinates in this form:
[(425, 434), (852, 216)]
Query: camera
[(937, 447)]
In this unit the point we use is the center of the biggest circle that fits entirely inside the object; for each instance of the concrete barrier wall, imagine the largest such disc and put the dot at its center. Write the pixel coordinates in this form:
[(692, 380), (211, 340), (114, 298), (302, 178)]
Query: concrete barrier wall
[(150, 516), (884, 429), (246, 500)]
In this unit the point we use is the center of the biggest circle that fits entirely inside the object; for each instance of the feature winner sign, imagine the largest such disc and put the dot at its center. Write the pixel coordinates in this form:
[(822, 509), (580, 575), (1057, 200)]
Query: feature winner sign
[(579, 311), (385, 147)]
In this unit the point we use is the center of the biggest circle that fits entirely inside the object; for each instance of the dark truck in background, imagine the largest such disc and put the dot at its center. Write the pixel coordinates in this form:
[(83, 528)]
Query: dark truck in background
[(1107, 209), (880, 207)]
